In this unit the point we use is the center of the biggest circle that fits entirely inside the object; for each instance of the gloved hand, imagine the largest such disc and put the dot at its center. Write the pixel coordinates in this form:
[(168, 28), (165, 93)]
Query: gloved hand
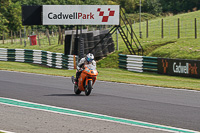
[(79, 69)]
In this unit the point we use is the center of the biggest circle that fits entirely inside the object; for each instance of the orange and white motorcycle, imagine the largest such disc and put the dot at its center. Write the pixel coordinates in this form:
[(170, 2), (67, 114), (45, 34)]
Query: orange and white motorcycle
[(86, 80)]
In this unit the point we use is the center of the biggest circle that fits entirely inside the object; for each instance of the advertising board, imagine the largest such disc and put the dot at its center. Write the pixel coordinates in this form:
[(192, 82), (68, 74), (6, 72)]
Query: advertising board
[(81, 14), (178, 67)]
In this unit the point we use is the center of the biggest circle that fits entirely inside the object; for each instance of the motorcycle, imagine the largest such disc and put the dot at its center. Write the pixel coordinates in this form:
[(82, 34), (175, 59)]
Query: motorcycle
[(86, 80)]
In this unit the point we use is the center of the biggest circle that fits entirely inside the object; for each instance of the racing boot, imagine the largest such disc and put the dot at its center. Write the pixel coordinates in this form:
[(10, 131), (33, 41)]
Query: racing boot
[(76, 81)]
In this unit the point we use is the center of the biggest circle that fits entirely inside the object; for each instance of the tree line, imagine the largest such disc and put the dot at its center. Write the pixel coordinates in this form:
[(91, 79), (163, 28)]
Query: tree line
[(11, 19)]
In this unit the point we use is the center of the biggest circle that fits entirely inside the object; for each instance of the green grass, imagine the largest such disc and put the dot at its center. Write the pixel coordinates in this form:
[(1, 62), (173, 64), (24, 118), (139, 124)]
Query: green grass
[(111, 74)]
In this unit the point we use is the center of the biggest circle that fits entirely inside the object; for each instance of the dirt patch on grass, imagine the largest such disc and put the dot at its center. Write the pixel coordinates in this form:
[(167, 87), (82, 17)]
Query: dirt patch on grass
[(151, 48)]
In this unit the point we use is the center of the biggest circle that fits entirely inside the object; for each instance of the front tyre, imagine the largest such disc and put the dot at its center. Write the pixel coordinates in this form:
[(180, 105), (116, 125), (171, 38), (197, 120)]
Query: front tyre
[(88, 89), (76, 90)]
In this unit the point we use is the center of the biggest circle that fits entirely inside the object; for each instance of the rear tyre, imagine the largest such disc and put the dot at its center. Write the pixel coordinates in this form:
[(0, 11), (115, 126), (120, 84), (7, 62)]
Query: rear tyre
[(76, 90), (88, 89)]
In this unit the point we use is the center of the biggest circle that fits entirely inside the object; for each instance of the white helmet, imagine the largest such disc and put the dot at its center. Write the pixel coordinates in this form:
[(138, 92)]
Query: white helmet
[(89, 57)]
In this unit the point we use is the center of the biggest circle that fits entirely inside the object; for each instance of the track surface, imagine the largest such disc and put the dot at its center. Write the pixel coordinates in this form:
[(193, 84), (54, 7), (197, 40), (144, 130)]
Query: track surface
[(171, 107)]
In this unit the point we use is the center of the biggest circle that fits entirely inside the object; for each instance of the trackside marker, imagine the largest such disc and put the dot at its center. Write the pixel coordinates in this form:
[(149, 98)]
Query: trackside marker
[(30, 105)]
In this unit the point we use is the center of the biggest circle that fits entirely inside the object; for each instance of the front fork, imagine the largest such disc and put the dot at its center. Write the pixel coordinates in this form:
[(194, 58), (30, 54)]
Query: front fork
[(87, 79), (93, 79)]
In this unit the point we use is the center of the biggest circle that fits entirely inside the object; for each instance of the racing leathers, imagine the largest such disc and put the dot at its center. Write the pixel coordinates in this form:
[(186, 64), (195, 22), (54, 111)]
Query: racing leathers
[(80, 67)]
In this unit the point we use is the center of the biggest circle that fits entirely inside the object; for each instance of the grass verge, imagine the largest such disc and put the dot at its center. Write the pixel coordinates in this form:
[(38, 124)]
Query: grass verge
[(111, 74)]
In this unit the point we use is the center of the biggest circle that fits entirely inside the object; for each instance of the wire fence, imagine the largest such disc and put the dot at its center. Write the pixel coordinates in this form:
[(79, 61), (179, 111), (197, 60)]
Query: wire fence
[(44, 36), (23, 37), (163, 28)]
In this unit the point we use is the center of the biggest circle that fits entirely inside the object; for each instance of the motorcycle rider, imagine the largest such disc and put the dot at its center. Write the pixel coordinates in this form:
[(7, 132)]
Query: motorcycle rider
[(89, 59)]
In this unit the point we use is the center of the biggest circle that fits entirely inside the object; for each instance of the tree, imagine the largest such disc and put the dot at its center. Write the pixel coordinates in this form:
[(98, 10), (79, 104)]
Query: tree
[(177, 6), (152, 6), (93, 2), (110, 2), (131, 6), (3, 22), (4, 5), (14, 16), (75, 2)]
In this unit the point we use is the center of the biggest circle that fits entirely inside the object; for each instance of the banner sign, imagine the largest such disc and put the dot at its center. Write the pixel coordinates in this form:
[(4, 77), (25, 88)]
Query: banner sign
[(176, 67), (81, 14)]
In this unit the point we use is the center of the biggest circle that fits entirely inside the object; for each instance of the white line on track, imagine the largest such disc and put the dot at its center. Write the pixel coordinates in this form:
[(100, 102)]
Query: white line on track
[(85, 114), (6, 131)]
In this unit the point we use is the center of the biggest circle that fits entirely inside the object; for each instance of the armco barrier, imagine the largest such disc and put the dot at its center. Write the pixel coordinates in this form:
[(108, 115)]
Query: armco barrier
[(150, 64), (138, 63), (56, 60)]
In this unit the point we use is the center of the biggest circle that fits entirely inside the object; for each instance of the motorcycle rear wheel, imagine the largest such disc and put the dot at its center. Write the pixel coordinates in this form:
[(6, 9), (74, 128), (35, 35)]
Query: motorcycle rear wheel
[(88, 89), (76, 90)]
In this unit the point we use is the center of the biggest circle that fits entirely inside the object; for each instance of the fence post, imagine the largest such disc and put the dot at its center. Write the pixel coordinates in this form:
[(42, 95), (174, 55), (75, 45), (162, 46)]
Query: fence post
[(24, 36), (162, 29), (117, 40), (20, 35), (147, 26), (37, 33), (178, 28), (63, 36), (195, 23), (59, 36), (3, 37), (15, 37), (11, 37), (47, 34), (29, 34)]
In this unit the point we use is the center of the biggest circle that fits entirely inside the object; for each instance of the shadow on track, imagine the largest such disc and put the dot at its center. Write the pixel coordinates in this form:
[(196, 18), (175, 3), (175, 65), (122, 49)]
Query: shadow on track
[(62, 95)]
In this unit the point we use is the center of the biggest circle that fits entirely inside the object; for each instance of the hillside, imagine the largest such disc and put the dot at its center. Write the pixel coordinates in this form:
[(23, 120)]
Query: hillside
[(186, 47)]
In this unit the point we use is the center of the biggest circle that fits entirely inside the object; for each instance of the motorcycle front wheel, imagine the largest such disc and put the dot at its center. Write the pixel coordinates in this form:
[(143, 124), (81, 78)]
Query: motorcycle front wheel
[(88, 89)]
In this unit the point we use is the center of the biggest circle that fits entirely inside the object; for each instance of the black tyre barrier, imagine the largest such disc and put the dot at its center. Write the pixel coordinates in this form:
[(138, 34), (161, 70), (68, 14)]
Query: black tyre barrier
[(81, 49), (86, 50), (67, 44), (104, 44), (111, 45), (76, 47), (98, 49), (90, 39)]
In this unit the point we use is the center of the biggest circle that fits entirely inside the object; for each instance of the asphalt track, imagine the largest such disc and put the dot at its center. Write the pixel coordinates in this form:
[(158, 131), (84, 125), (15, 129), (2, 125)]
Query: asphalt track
[(170, 107)]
